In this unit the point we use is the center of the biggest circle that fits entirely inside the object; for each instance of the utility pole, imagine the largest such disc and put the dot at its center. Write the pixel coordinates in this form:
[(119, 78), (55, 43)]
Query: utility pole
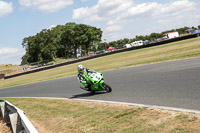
[(105, 43)]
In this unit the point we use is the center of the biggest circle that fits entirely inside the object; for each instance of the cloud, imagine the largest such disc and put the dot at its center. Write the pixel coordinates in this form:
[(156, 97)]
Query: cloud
[(46, 5), (5, 8), (126, 9), (84, 0), (113, 28), (11, 55), (103, 9), (117, 14), (52, 26), (115, 36), (84, 12)]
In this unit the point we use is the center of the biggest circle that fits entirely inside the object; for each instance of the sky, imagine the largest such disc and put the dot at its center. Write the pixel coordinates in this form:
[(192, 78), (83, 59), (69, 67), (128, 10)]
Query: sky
[(117, 19)]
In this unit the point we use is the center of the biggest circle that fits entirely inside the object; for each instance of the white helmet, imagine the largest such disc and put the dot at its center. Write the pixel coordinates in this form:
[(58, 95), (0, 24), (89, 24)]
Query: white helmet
[(80, 68)]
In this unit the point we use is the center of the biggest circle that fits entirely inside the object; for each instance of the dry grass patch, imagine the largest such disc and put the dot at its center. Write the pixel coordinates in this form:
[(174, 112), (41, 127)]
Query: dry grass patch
[(9, 68), (3, 127), (88, 117)]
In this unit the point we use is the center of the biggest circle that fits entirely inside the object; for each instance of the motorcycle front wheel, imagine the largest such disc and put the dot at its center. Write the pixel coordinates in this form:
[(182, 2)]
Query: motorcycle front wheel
[(107, 87)]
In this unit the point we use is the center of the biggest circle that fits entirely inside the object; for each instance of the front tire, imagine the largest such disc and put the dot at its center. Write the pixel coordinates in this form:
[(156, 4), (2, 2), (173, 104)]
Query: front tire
[(107, 87)]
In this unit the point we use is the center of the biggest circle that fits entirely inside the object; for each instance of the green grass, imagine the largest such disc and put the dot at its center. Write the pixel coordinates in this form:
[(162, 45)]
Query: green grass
[(6, 71), (172, 51), (84, 117)]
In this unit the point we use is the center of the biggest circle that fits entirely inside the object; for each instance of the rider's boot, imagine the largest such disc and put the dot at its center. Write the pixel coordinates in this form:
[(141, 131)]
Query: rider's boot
[(85, 88)]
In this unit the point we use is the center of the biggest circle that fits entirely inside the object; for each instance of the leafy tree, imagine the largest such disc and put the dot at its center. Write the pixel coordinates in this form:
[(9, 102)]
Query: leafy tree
[(60, 41), (93, 35), (67, 39), (101, 46), (155, 36)]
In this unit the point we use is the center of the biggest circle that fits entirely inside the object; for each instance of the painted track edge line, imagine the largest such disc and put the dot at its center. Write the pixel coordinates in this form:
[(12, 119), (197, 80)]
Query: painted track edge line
[(142, 105), (122, 103)]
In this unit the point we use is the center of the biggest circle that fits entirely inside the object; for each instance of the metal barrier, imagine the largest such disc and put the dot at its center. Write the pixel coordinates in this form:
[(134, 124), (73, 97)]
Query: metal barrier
[(16, 118)]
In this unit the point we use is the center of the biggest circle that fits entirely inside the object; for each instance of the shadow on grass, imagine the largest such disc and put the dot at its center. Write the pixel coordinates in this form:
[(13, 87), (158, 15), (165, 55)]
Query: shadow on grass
[(88, 94)]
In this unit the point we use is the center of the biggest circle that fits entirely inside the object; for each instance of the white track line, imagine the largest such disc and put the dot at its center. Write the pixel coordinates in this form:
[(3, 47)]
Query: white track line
[(122, 103)]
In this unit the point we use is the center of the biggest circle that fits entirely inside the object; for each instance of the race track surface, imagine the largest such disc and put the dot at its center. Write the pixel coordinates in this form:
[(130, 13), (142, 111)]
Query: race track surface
[(171, 84)]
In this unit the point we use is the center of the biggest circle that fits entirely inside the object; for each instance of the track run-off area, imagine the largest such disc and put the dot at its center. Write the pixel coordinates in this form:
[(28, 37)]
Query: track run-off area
[(173, 84)]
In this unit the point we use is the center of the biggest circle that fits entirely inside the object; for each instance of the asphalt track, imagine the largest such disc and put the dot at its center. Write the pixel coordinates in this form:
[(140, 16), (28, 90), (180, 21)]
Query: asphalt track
[(170, 84)]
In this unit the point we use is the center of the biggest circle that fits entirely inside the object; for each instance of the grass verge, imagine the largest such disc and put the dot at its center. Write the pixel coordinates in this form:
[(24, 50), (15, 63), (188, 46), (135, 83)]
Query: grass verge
[(9, 68), (172, 51), (85, 117)]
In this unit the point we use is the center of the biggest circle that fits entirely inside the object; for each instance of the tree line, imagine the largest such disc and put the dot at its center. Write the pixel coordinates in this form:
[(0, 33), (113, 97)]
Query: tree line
[(60, 41), (152, 37), (66, 40)]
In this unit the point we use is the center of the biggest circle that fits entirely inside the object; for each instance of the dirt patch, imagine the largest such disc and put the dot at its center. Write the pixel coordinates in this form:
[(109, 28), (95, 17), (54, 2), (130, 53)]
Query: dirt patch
[(4, 128), (39, 127)]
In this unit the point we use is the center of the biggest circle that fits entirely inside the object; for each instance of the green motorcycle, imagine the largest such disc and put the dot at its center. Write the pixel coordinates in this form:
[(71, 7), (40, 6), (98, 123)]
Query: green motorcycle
[(96, 80)]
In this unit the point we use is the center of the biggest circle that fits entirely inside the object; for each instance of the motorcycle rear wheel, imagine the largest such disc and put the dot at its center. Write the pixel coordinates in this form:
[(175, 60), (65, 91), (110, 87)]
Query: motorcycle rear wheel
[(107, 87)]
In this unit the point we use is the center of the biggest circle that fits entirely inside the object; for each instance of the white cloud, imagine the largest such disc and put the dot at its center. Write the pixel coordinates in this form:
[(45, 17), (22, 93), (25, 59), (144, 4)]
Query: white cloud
[(84, 12), (5, 8), (113, 8), (11, 55), (46, 5), (113, 28), (117, 14), (116, 36), (84, 0), (103, 9), (52, 26), (175, 8)]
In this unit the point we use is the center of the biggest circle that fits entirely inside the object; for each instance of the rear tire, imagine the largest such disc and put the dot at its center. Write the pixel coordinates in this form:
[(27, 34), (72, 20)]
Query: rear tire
[(107, 87)]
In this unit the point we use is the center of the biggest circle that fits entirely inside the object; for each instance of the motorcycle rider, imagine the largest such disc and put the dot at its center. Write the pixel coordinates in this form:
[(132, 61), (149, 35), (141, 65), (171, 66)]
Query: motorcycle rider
[(83, 77)]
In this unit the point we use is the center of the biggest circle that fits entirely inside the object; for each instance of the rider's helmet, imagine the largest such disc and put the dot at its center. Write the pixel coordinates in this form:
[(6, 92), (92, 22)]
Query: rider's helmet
[(80, 68)]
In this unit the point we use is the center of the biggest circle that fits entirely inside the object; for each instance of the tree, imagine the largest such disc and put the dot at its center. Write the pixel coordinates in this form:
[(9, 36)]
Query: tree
[(101, 46), (67, 39), (155, 36), (94, 35), (61, 41)]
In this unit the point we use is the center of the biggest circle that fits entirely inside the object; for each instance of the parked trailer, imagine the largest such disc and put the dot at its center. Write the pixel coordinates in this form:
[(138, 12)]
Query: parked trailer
[(171, 34)]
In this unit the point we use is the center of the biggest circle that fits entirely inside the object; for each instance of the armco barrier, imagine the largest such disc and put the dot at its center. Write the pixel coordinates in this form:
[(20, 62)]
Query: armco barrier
[(16, 118), (109, 53)]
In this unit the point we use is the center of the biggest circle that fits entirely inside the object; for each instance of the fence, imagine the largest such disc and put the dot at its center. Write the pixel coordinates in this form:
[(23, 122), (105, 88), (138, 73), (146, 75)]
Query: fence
[(16, 118)]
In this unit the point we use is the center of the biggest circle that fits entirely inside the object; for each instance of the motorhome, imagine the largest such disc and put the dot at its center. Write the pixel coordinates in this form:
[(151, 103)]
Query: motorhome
[(171, 34), (127, 46), (137, 43), (134, 44)]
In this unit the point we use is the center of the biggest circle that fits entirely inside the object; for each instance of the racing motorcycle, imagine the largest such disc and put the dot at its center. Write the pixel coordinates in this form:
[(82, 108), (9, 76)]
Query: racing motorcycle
[(97, 82)]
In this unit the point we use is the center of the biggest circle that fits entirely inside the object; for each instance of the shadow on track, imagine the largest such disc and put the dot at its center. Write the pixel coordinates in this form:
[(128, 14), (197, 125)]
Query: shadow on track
[(87, 95)]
